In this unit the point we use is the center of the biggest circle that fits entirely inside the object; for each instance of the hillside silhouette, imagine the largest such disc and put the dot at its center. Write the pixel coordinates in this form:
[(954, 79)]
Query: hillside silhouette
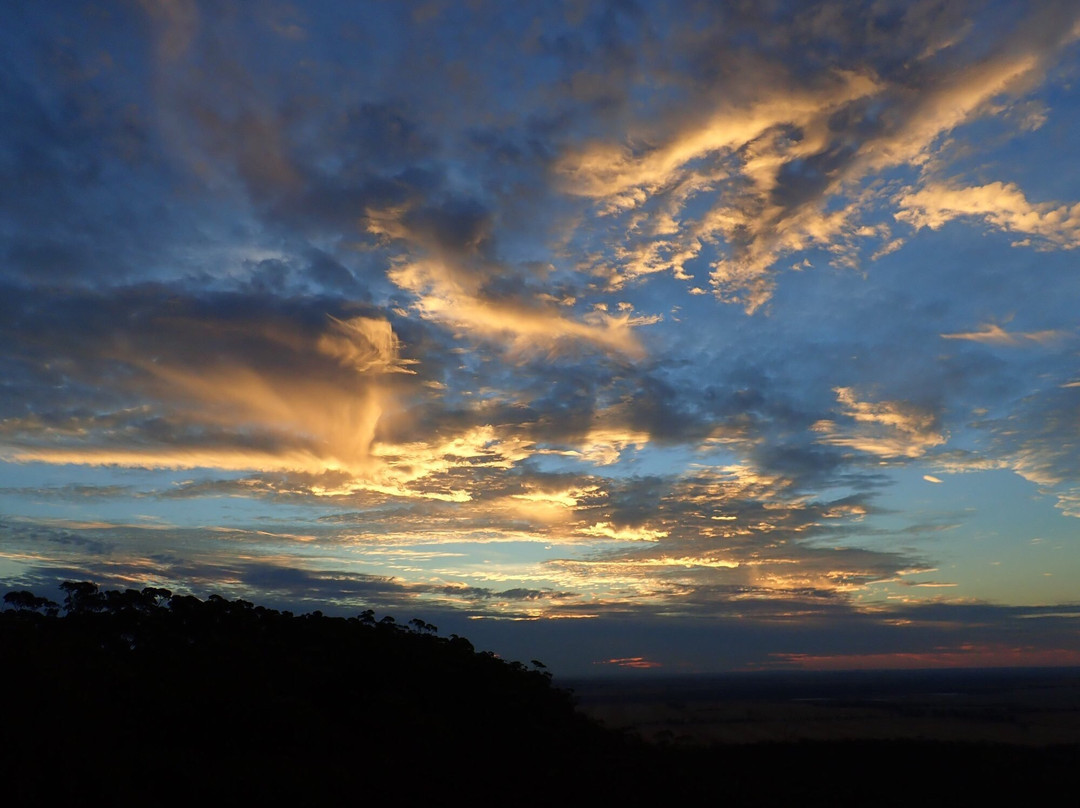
[(171, 699), (146, 688)]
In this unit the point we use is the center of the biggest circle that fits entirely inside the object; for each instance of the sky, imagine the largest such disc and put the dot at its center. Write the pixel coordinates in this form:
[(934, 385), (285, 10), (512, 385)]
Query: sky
[(638, 338)]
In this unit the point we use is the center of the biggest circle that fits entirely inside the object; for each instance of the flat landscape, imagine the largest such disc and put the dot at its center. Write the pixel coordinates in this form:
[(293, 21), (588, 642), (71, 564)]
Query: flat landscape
[(1032, 707)]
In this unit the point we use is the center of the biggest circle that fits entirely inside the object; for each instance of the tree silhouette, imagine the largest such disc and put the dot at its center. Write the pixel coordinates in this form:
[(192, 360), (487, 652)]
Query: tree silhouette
[(29, 602), (82, 597)]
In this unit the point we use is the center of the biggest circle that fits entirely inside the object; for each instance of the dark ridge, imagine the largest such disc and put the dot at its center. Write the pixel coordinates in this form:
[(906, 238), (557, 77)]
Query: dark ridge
[(137, 690), (169, 699)]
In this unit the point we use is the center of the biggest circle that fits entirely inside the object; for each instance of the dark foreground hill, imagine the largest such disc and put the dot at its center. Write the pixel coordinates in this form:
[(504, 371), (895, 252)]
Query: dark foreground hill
[(161, 699), (130, 691)]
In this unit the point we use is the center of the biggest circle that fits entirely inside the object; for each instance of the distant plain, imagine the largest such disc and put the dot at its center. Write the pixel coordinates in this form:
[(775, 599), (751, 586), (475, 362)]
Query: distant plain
[(1028, 707)]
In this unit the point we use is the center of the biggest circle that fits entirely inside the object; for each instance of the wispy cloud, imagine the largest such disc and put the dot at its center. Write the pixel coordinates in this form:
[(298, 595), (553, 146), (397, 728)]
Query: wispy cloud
[(768, 160), (1001, 205), (884, 428), (993, 334)]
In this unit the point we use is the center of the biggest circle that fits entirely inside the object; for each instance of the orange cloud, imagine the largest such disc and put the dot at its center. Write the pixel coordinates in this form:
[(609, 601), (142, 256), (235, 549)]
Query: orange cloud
[(730, 159), (883, 428), (640, 663), (992, 334), (1001, 205), (452, 297), (610, 531)]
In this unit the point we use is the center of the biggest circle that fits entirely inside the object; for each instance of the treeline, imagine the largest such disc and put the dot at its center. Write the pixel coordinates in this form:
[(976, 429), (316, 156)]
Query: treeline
[(143, 687)]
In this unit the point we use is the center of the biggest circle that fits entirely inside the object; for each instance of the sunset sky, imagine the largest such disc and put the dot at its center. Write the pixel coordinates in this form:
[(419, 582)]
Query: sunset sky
[(672, 336)]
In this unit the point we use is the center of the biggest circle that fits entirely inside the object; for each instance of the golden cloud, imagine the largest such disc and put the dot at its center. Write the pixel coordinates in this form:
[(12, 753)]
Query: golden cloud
[(1002, 205), (883, 428)]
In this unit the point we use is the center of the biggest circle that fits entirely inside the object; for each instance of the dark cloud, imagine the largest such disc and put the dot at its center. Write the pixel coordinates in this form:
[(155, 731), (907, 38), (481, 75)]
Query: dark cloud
[(636, 501), (66, 539), (483, 593), (73, 492)]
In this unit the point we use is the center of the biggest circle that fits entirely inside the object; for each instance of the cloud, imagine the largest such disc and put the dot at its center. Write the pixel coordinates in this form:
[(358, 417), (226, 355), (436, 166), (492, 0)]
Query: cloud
[(605, 170), (227, 383), (365, 344), (637, 663), (606, 529), (449, 268), (604, 446), (743, 150), (1001, 205), (792, 157), (993, 334), (232, 412), (358, 174), (719, 538), (444, 295), (884, 428), (1037, 440)]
